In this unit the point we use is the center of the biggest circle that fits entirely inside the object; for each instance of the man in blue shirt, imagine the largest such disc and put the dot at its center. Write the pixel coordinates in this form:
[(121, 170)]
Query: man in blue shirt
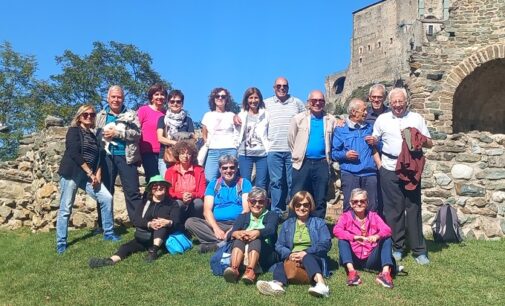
[(309, 139), (225, 199), (353, 148)]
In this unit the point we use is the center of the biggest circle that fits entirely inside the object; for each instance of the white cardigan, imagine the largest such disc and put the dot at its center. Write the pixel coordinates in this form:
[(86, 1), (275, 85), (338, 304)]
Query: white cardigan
[(261, 128)]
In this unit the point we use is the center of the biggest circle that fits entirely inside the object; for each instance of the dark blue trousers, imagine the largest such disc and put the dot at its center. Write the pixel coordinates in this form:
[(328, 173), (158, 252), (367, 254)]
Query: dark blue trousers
[(381, 256), (313, 177), (311, 263)]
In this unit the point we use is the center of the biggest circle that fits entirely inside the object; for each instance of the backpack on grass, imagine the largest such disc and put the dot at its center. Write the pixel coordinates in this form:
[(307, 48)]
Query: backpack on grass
[(446, 226)]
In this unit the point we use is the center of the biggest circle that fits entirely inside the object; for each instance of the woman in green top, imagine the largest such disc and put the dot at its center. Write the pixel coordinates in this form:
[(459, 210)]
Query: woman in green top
[(257, 230), (305, 240)]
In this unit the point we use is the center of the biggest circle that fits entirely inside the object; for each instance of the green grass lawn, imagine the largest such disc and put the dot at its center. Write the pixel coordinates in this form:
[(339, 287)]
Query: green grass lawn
[(32, 274)]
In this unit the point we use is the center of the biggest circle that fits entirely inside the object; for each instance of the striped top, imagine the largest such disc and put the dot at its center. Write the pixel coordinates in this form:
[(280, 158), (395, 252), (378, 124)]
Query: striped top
[(280, 118), (89, 149)]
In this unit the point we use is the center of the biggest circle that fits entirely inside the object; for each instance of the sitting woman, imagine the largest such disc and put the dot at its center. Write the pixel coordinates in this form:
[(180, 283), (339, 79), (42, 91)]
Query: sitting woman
[(254, 233), (154, 221), (187, 181), (364, 241), (305, 241)]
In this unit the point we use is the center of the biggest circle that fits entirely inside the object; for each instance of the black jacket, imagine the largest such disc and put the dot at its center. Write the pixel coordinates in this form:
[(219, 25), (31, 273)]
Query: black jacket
[(166, 209), (72, 160)]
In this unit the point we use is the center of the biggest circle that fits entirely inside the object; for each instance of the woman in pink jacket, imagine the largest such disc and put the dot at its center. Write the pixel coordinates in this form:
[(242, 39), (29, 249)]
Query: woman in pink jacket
[(364, 242)]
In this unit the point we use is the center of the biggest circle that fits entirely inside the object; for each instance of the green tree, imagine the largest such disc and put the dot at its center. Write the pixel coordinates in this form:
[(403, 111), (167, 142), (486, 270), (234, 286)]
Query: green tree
[(18, 105), (86, 79)]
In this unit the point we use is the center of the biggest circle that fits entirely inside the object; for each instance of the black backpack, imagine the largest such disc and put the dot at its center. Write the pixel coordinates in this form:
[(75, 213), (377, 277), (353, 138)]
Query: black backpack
[(446, 226)]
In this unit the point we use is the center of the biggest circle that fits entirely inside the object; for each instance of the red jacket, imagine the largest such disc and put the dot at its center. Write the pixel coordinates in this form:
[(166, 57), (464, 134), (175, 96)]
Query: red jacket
[(172, 175), (410, 163)]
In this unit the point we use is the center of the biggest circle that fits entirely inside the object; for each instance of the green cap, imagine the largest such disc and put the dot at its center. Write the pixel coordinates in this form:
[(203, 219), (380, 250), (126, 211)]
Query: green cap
[(157, 179)]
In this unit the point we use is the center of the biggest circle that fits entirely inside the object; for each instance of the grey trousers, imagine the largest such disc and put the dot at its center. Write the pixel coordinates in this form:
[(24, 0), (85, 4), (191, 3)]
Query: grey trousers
[(203, 231)]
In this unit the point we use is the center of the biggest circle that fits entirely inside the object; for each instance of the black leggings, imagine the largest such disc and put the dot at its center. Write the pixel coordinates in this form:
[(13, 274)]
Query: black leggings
[(134, 245)]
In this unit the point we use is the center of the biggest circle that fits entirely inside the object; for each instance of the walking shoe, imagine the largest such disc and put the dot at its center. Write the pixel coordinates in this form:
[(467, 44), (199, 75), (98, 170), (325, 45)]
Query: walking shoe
[(230, 275), (249, 276), (97, 231), (111, 237), (152, 254), (319, 290), (270, 288), (100, 262), (61, 248), (385, 279), (397, 255), (353, 278), (422, 259), (208, 247)]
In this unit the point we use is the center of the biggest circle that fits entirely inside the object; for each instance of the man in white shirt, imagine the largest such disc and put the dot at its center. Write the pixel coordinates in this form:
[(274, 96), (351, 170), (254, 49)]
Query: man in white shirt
[(402, 208)]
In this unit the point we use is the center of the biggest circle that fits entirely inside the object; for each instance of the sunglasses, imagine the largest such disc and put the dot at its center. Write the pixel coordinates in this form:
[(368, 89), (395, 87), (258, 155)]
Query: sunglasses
[(279, 86), (256, 202), (90, 115), (356, 202), (229, 167), (175, 102), (158, 186), (304, 205), (314, 101), (222, 97)]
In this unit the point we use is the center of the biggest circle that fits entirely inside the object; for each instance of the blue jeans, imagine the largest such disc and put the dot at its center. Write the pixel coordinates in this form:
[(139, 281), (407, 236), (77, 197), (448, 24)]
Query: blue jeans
[(381, 256), (68, 189), (312, 263), (212, 162), (279, 169), (246, 165), (368, 183), (313, 177), (150, 164)]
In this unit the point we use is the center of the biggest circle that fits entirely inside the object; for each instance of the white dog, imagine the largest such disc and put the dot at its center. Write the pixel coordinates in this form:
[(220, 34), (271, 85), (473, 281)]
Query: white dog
[(119, 126)]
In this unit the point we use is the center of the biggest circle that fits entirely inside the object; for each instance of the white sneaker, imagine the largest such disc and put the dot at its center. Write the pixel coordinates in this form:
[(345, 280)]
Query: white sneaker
[(270, 288), (319, 290)]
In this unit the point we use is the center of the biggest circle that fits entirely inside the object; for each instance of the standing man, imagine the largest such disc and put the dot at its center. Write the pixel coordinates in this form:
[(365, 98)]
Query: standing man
[(125, 154), (357, 158), (376, 97), (281, 107), (309, 139), (402, 207)]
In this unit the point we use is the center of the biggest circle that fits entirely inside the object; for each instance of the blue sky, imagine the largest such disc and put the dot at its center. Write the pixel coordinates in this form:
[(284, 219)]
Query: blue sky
[(196, 44)]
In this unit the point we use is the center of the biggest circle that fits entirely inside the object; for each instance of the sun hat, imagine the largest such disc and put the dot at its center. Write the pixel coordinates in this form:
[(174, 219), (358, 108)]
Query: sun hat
[(156, 179)]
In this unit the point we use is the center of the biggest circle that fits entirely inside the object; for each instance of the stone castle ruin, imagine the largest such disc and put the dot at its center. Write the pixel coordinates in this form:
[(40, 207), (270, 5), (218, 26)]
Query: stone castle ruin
[(449, 54)]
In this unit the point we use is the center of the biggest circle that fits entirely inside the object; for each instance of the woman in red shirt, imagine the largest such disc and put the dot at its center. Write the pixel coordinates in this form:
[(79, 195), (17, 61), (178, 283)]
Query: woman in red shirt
[(187, 180)]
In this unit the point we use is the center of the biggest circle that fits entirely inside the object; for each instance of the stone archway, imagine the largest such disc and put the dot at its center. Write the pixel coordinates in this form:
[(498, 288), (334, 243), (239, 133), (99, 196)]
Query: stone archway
[(461, 93), (478, 102)]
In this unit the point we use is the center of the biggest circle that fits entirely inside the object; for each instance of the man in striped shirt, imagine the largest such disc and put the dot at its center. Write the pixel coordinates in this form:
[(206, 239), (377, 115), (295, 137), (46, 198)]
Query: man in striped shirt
[(281, 107)]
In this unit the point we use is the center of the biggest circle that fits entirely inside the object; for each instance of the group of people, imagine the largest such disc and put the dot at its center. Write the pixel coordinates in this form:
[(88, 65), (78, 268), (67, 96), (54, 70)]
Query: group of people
[(280, 146)]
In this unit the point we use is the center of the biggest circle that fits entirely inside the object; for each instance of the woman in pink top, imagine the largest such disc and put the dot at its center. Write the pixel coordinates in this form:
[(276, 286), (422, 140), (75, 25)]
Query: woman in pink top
[(364, 242), (148, 117)]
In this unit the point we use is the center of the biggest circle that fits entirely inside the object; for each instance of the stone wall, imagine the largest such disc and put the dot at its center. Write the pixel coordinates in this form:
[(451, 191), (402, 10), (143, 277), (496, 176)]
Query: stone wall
[(29, 193)]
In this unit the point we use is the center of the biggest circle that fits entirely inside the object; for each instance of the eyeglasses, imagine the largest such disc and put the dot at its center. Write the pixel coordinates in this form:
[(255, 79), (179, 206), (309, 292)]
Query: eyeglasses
[(175, 101), (376, 97), (158, 186), (229, 167), (356, 202), (90, 115), (222, 97), (314, 101), (279, 86), (256, 202), (304, 205)]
